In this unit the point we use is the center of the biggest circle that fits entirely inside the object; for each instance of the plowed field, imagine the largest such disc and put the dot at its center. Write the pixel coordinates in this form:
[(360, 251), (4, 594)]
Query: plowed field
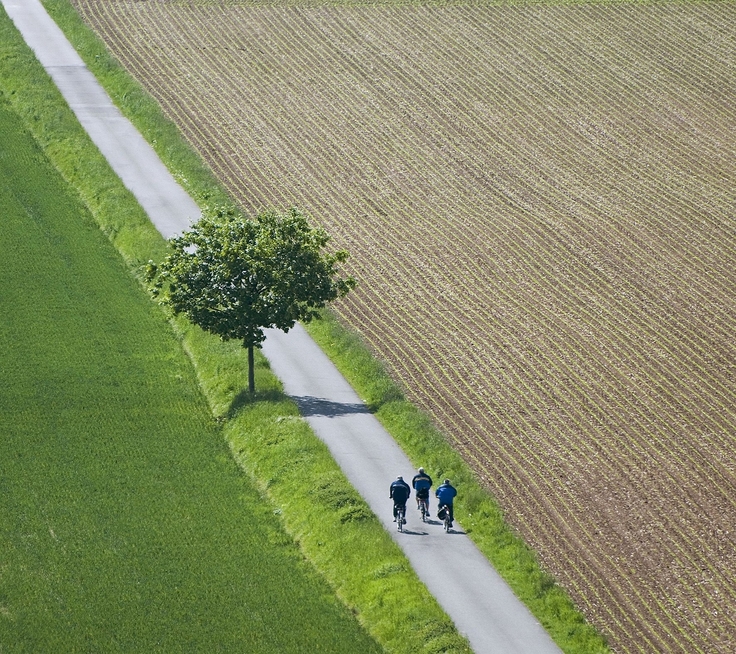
[(540, 206)]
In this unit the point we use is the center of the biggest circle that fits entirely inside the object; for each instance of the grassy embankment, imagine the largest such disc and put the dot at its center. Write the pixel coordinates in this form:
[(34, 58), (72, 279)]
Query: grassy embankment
[(223, 379), (292, 468), (125, 525)]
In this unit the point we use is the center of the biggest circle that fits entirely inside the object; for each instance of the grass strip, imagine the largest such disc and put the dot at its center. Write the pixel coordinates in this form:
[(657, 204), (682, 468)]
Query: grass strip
[(318, 507), (414, 431), (333, 525)]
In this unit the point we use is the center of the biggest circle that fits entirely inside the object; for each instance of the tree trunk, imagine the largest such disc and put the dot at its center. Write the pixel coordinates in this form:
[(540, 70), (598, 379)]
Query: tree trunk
[(251, 373)]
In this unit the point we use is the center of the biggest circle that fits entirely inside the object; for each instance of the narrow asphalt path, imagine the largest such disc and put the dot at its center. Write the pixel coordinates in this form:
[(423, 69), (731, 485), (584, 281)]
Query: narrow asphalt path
[(131, 157), (466, 585), (456, 573)]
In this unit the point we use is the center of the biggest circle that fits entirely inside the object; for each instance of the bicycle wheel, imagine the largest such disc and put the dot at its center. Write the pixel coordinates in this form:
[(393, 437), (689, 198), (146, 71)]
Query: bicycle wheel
[(446, 520)]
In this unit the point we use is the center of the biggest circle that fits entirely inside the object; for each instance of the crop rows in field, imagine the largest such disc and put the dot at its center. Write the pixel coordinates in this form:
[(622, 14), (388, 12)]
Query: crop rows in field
[(539, 203)]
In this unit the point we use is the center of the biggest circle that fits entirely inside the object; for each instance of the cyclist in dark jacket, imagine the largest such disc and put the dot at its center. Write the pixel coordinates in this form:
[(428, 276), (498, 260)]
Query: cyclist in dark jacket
[(399, 493), (445, 495), (421, 483)]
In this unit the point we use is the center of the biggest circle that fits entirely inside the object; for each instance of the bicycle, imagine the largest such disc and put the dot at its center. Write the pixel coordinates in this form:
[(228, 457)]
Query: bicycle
[(400, 517), (446, 523), (424, 508)]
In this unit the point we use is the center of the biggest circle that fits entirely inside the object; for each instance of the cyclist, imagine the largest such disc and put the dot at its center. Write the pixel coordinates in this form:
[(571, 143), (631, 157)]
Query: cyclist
[(399, 493), (421, 483), (445, 495)]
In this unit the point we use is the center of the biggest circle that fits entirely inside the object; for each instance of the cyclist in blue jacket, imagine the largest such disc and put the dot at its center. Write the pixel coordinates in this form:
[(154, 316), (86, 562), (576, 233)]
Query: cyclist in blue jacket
[(399, 492), (421, 483), (445, 495)]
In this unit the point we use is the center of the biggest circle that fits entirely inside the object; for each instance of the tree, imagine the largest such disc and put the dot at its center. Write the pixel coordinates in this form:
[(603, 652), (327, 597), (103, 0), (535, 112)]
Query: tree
[(234, 276)]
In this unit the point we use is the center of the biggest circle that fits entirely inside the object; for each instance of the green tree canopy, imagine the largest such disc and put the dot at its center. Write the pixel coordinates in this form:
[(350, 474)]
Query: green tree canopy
[(234, 276)]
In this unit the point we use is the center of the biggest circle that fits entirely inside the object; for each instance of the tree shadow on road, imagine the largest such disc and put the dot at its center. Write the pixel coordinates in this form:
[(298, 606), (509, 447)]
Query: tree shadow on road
[(310, 406)]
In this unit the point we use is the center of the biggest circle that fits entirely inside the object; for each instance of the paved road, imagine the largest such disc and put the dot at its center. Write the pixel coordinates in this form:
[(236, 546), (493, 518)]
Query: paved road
[(130, 156), (466, 585), (456, 573)]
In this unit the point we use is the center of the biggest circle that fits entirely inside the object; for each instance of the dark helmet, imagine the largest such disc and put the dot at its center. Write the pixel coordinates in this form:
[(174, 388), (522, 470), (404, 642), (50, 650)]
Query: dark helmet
[(421, 470), (447, 481), (399, 478)]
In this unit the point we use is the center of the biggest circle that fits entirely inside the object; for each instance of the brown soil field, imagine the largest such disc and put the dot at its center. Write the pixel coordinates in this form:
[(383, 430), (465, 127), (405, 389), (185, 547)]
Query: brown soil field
[(540, 205)]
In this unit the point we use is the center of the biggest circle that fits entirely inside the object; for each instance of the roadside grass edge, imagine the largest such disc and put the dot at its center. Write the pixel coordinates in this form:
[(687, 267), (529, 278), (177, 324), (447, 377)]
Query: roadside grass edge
[(319, 509)]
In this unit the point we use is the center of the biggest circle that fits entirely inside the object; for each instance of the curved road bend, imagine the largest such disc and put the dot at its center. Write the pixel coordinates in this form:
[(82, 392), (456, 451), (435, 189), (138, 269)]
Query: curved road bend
[(466, 585)]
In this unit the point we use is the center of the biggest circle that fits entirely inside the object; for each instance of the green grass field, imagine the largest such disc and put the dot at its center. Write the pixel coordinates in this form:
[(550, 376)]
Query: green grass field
[(125, 525)]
